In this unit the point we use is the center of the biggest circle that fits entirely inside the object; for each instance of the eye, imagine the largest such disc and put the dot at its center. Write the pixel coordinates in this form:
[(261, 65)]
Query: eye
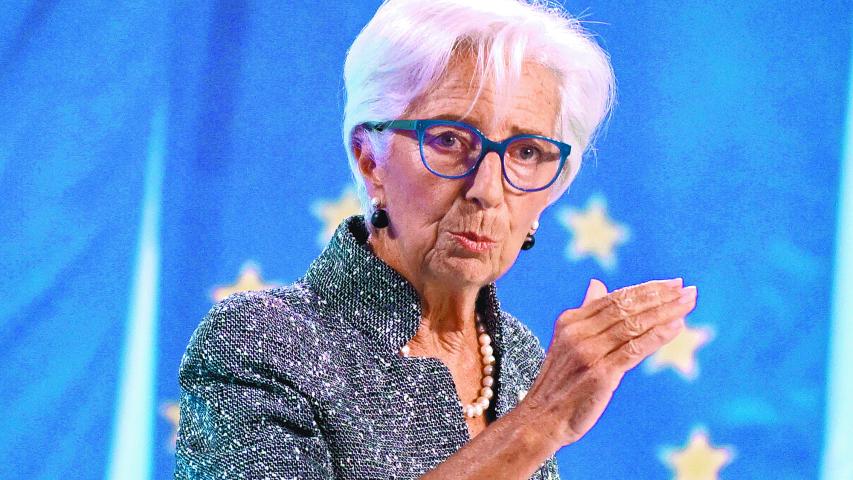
[(529, 153), (447, 140)]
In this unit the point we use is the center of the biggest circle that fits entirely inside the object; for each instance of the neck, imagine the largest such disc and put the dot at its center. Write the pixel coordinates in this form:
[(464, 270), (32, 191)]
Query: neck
[(448, 318)]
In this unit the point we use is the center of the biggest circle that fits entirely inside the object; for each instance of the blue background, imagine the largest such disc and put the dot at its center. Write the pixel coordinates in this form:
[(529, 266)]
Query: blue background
[(221, 120)]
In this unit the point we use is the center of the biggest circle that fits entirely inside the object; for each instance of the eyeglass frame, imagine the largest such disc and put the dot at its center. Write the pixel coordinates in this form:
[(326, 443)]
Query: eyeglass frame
[(488, 145)]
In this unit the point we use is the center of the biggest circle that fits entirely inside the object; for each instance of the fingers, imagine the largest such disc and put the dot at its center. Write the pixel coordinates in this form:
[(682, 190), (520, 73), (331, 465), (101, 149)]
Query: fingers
[(626, 297), (631, 353), (596, 290), (599, 315), (634, 326)]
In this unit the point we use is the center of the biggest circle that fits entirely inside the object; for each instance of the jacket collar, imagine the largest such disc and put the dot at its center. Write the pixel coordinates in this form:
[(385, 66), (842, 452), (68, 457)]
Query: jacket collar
[(375, 298)]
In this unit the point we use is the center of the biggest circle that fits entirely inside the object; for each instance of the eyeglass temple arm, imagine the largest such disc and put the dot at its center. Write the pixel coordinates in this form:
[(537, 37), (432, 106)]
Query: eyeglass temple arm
[(392, 124)]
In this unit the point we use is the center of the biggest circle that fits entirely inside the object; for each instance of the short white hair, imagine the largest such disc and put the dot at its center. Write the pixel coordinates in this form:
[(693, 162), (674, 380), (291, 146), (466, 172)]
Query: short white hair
[(408, 44)]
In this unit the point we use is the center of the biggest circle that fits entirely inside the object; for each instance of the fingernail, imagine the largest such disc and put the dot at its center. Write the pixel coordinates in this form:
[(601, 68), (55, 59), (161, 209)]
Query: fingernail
[(687, 294), (675, 282)]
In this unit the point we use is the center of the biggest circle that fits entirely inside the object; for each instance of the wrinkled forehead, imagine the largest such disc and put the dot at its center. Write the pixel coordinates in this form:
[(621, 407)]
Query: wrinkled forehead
[(492, 96)]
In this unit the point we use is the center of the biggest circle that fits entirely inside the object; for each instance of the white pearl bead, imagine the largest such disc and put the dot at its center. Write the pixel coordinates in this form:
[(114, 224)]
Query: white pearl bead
[(481, 404), (404, 350)]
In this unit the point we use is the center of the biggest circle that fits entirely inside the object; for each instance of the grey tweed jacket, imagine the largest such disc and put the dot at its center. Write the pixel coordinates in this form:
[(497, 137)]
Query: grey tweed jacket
[(305, 381)]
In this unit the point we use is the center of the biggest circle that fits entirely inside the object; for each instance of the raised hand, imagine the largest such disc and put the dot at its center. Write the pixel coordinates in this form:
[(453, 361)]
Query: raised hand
[(594, 345)]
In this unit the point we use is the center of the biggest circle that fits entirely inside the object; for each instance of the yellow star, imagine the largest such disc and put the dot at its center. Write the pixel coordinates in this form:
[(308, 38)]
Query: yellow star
[(698, 460), (593, 233), (332, 213), (249, 279), (680, 353), (172, 413)]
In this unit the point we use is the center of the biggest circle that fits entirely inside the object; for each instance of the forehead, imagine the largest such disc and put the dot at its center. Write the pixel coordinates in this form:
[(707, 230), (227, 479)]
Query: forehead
[(529, 104)]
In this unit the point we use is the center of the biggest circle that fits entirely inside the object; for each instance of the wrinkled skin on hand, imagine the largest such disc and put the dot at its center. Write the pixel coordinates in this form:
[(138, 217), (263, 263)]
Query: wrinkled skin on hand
[(595, 345)]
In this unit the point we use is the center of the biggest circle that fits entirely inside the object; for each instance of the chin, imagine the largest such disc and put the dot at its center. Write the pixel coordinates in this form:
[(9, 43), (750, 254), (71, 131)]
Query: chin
[(464, 271)]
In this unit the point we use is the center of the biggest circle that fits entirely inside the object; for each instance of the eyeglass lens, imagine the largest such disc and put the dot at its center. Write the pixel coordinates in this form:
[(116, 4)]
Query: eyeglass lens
[(452, 150)]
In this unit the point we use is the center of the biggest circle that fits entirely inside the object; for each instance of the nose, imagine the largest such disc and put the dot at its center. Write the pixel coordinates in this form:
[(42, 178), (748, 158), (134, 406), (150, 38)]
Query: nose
[(486, 186)]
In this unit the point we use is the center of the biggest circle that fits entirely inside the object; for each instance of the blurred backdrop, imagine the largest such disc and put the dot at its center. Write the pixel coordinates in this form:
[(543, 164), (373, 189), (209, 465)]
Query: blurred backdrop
[(156, 156)]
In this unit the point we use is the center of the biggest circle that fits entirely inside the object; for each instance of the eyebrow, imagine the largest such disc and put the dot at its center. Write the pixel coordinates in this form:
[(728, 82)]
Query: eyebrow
[(514, 129)]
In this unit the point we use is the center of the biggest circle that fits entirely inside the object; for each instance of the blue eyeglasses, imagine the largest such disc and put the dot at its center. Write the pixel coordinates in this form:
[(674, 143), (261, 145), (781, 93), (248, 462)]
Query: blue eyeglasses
[(450, 149)]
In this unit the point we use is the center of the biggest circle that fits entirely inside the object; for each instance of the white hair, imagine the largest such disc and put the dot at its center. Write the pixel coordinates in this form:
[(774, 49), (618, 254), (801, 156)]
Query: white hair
[(407, 46)]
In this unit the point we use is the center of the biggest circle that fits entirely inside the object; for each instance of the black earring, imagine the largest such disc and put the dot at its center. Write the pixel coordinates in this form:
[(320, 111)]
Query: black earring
[(531, 239), (379, 219)]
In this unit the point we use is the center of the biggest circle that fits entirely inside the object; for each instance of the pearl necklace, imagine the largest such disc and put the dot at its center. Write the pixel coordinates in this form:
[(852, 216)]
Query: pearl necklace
[(481, 404)]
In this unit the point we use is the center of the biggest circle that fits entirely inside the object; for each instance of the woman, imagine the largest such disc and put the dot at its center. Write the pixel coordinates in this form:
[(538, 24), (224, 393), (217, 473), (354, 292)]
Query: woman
[(391, 357)]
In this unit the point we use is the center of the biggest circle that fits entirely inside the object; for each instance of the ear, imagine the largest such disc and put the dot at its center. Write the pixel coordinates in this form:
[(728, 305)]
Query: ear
[(362, 151)]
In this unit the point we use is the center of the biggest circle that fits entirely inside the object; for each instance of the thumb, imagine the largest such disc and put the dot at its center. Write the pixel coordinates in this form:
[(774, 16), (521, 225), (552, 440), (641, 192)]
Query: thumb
[(596, 290)]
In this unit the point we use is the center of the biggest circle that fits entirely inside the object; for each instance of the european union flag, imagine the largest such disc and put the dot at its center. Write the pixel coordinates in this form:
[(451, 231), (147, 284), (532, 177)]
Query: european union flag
[(156, 156)]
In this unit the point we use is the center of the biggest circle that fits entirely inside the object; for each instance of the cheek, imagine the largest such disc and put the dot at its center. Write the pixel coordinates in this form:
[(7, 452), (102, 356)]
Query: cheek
[(401, 179), (416, 196), (524, 210)]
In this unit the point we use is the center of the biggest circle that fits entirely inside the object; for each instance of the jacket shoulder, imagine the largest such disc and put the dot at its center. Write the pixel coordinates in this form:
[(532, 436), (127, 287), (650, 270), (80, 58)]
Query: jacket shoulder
[(262, 336), (247, 403)]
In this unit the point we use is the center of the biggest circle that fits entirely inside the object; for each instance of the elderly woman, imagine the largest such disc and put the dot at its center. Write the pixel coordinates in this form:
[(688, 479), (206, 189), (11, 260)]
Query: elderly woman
[(391, 357)]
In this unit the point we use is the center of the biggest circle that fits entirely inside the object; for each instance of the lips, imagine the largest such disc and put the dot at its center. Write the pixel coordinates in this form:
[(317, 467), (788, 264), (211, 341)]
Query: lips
[(473, 242)]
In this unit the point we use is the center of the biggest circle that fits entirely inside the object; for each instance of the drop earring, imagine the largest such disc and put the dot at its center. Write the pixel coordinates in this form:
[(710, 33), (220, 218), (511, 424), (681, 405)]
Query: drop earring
[(379, 218), (531, 239)]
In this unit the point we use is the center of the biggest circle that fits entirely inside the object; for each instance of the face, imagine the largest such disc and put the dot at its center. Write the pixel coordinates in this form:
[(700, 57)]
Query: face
[(465, 231)]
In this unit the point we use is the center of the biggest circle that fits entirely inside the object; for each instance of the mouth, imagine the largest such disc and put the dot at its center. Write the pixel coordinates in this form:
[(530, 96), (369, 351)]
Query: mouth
[(473, 242)]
